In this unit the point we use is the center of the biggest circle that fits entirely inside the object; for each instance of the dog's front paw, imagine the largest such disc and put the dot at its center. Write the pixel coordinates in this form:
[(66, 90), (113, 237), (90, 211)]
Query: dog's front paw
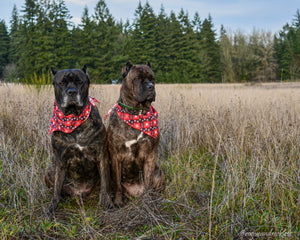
[(106, 201), (119, 200)]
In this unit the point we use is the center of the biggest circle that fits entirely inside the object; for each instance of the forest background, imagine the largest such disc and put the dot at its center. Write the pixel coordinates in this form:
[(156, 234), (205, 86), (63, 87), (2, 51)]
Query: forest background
[(181, 49)]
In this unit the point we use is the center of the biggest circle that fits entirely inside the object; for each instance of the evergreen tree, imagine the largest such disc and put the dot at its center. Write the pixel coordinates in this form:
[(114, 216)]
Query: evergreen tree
[(44, 42), (83, 36), (107, 57), (143, 35), (198, 75), (136, 38), (197, 25), (125, 37), (98, 42), (119, 57), (14, 46), (187, 53), (61, 34), (4, 46), (288, 50), (124, 42), (161, 51), (174, 69), (27, 51), (210, 53), (191, 47), (295, 64)]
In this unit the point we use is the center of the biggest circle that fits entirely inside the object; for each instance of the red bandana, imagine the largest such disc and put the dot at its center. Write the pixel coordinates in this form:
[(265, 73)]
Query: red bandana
[(67, 124), (147, 123)]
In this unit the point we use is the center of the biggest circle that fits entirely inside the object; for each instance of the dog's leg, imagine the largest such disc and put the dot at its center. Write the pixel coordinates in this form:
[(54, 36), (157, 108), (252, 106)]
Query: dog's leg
[(104, 171), (59, 178), (149, 166), (116, 169), (49, 176), (158, 179)]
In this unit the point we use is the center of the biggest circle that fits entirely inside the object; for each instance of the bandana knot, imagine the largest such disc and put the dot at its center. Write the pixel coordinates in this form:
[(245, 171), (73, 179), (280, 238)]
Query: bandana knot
[(67, 124)]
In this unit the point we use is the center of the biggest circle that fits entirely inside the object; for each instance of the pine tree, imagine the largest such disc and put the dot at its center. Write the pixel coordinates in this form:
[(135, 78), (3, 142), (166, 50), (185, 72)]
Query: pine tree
[(174, 69), (125, 37), (44, 42), (187, 52), (143, 35), (107, 57), (287, 47), (197, 74), (27, 51), (296, 45), (61, 34), (14, 45), (118, 56), (83, 36), (161, 51), (210, 52), (4, 46)]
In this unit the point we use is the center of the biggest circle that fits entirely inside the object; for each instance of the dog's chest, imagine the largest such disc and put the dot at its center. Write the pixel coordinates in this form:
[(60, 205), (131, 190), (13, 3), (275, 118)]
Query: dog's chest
[(78, 148), (136, 149), (139, 139), (131, 145), (81, 161)]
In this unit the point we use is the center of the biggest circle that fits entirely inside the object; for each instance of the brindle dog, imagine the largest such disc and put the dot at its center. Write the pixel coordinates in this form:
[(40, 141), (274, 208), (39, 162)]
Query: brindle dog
[(80, 158), (133, 153)]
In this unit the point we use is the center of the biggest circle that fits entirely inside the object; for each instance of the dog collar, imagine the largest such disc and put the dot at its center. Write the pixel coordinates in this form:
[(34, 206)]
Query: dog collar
[(128, 107), (67, 124), (146, 123)]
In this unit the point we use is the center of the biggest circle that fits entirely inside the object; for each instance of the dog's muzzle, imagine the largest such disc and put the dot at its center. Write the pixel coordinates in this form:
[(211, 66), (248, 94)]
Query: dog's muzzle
[(72, 97), (150, 92), (72, 92)]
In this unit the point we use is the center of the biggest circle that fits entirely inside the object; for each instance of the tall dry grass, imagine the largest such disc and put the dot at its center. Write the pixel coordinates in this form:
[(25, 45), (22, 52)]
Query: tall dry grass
[(230, 153)]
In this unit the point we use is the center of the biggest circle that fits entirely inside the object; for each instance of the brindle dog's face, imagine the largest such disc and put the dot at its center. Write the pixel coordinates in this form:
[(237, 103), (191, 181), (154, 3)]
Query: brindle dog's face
[(71, 88), (139, 82)]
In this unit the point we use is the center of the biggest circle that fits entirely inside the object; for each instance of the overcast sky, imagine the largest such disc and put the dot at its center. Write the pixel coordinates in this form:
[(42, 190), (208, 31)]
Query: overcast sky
[(244, 15)]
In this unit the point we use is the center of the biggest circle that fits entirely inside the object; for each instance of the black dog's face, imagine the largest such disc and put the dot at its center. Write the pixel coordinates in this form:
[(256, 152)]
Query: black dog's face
[(139, 82), (71, 88)]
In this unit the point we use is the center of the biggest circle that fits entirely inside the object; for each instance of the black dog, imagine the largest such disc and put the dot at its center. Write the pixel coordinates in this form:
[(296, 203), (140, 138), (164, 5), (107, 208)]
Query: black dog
[(79, 142), (133, 135)]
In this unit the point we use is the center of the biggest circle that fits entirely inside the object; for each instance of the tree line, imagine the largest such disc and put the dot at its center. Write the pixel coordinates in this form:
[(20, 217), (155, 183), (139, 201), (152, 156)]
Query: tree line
[(181, 49)]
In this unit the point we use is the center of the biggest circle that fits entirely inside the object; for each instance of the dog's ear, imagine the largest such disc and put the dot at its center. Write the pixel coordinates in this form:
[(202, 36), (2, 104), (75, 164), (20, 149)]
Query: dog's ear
[(149, 64), (53, 71), (126, 69), (85, 70)]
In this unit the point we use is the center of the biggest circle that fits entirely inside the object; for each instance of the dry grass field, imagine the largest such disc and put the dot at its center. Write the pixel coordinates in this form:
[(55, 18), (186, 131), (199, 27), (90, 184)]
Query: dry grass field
[(230, 153)]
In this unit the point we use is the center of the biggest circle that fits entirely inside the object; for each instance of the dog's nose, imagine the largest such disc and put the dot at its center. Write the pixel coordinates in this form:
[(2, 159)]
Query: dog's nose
[(150, 86), (72, 91)]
